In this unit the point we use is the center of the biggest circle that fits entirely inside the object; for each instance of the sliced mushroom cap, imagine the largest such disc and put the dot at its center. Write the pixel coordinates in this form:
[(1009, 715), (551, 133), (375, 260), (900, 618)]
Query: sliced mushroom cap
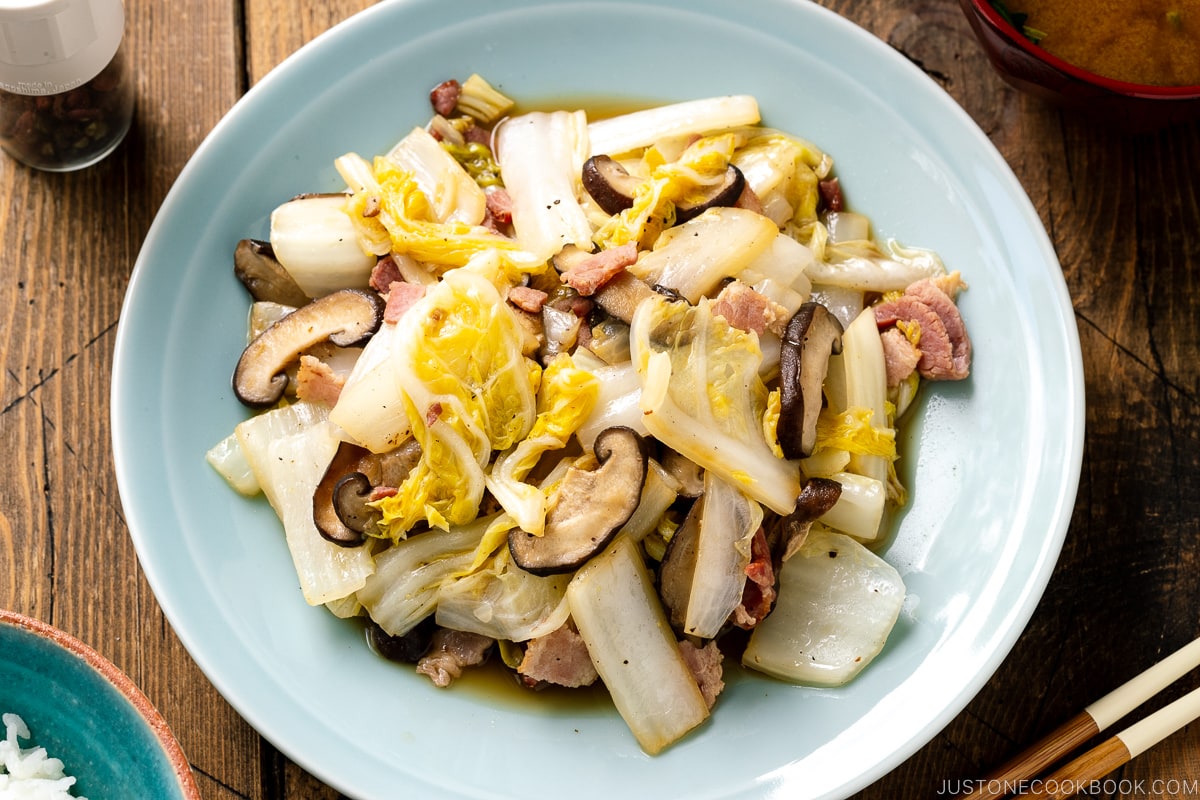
[(392, 468), (609, 339), (725, 193), (589, 509), (678, 567), (609, 184), (351, 496), (341, 502), (255, 265), (811, 336), (620, 296), (406, 648), (325, 498), (346, 318), (816, 498), (570, 256)]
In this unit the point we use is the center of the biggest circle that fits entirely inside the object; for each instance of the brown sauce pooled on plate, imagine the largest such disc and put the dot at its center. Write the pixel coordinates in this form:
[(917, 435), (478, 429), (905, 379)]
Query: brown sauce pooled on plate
[(1140, 41)]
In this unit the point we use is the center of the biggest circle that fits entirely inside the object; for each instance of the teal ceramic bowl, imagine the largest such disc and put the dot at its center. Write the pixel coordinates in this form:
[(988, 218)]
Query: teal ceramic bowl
[(90, 715)]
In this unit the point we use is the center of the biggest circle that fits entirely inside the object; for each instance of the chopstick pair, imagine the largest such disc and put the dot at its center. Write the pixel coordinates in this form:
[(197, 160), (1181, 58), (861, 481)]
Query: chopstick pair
[(1017, 776)]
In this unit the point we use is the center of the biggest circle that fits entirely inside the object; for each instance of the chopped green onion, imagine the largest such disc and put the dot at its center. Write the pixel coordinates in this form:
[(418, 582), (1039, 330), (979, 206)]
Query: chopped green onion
[(1017, 20)]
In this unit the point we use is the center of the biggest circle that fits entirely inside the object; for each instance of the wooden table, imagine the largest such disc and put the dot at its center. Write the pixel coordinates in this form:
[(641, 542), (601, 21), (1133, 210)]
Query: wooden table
[(1124, 216)]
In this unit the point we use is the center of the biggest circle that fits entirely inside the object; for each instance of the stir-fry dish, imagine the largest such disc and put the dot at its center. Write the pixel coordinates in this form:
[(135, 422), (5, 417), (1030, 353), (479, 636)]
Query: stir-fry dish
[(607, 399)]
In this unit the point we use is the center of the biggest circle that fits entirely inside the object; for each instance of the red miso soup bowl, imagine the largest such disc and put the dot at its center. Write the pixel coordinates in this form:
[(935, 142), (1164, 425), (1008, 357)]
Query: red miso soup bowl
[(1130, 106)]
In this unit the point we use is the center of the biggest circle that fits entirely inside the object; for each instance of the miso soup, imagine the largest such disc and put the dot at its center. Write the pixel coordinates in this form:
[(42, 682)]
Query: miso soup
[(1140, 41)]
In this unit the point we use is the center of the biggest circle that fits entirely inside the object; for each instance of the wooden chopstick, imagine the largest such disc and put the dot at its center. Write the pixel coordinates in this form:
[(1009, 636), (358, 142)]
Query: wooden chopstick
[(1125, 746), (1095, 718)]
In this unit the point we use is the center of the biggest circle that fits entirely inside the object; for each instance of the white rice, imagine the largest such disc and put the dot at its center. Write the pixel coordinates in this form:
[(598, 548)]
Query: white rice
[(30, 773)]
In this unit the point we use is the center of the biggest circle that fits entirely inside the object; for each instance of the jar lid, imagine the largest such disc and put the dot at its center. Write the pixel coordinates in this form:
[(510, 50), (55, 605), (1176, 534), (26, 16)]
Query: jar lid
[(52, 46)]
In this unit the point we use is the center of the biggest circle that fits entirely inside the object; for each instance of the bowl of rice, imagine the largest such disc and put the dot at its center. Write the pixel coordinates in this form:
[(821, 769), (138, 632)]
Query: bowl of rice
[(72, 725)]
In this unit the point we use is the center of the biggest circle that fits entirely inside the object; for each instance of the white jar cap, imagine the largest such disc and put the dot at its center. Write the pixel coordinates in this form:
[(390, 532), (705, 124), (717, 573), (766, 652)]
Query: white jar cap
[(52, 46)]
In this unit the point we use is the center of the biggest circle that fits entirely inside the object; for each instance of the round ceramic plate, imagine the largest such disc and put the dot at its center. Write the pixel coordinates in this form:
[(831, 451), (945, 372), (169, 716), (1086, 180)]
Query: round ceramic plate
[(992, 463), (87, 713)]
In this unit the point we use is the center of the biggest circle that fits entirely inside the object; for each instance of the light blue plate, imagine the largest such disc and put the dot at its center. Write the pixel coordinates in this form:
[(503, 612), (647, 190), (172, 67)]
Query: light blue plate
[(88, 714), (992, 463)]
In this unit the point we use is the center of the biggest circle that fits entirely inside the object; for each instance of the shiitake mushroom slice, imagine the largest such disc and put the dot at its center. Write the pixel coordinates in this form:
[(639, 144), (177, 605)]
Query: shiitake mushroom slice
[(812, 335), (589, 508)]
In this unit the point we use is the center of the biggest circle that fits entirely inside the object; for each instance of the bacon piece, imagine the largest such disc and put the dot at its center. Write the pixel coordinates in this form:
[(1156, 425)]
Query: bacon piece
[(749, 200), (746, 309), (444, 97), (527, 299), (900, 356), (579, 306), (905, 308), (380, 492), (385, 272), (317, 382), (478, 135), (592, 272), (759, 593), (585, 337), (450, 652), (559, 657), (932, 295), (433, 413), (934, 344), (705, 664), (499, 205), (401, 296), (944, 345), (831, 194)]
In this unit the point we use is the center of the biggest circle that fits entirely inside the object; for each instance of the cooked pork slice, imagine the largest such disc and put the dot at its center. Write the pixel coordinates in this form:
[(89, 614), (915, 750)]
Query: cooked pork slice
[(450, 653), (559, 657)]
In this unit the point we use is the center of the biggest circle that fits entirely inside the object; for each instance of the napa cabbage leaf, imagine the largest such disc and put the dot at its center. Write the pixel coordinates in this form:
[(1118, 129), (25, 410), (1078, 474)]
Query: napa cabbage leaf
[(851, 430), (669, 182), (636, 130), (783, 172), (503, 601), (565, 399), (288, 449), (409, 574), (702, 396), (454, 195), (467, 390), (541, 155), (394, 214)]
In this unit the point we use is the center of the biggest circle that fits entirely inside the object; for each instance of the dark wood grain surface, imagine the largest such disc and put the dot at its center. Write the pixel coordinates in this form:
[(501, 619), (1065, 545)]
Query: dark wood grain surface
[(1122, 211)]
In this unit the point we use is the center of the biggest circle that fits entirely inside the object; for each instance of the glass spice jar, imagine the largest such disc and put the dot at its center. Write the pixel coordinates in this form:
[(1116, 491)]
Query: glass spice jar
[(66, 94)]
